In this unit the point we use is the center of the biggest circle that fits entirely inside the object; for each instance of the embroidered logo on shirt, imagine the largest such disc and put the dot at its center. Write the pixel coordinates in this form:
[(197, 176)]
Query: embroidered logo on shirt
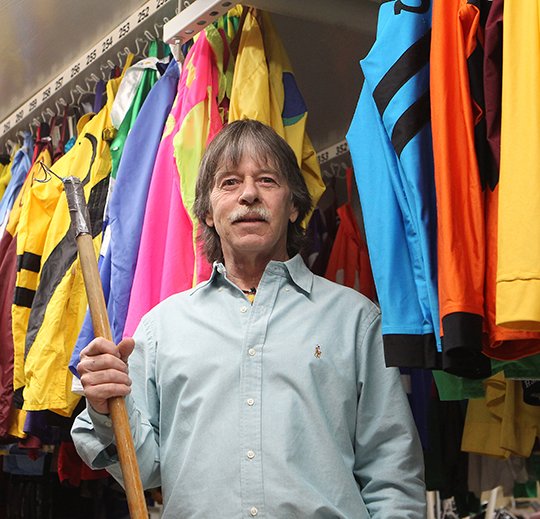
[(318, 352)]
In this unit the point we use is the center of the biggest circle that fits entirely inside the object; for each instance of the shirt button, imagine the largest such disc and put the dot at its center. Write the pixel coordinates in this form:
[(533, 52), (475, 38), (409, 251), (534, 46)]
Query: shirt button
[(287, 289), (251, 352), (250, 401), (243, 309), (253, 511), (220, 289), (250, 454)]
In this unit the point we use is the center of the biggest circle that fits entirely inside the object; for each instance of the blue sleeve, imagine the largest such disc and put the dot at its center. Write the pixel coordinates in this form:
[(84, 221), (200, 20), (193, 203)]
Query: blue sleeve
[(384, 226)]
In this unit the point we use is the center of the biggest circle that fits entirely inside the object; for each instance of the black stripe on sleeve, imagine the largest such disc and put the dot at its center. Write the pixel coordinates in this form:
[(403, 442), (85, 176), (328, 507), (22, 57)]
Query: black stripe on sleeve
[(28, 261), (408, 65), (23, 297)]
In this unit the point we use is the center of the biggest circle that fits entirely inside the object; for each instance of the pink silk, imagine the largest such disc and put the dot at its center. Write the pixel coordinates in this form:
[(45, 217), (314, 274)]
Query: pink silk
[(166, 260)]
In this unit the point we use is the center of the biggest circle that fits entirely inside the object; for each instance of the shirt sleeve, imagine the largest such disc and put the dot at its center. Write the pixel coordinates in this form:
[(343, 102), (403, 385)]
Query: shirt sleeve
[(92, 432), (389, 460)]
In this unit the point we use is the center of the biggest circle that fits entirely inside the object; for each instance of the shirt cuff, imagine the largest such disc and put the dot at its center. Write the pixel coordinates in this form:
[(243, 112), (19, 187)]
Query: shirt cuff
[(102, 424)]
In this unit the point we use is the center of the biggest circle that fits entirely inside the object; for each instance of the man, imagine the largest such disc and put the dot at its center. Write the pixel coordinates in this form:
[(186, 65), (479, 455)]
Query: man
[(261, 392)]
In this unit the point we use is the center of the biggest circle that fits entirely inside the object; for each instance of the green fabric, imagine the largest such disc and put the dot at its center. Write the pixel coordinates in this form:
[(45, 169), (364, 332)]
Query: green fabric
[(451, 387), (148, 80), (533, 467), (527, 368), (525, 489)]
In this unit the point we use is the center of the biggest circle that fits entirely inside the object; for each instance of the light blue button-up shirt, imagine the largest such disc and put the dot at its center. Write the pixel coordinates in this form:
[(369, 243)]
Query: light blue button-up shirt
[(279, 409)]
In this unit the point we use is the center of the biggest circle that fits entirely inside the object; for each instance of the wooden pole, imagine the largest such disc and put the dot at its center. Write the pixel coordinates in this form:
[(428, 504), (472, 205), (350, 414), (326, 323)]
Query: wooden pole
[(100, 320)]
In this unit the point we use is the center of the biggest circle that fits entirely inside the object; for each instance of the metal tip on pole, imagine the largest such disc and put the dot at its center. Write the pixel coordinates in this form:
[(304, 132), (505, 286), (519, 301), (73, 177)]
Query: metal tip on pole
[(78, 209)]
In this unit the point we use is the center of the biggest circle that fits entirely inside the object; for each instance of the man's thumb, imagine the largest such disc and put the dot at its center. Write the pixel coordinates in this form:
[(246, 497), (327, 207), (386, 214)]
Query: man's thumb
[(125, 347)]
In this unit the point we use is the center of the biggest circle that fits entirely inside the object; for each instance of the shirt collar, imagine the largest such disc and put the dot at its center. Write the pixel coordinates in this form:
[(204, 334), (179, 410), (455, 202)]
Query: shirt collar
[(299, 274), (295, 268)]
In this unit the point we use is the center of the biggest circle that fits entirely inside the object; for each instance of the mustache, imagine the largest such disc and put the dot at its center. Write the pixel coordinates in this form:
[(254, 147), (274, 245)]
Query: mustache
[(243, 213)]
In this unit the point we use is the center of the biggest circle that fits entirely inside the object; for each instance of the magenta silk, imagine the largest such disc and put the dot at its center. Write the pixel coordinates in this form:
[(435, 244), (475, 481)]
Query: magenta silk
[(167, 259)]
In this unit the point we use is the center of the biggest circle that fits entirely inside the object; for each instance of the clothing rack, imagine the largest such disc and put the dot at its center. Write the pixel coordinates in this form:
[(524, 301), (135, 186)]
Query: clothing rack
[(132, 35), (195, 17)]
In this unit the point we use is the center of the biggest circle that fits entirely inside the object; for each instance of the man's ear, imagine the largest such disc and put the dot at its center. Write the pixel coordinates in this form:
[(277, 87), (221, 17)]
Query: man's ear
[(294, 214), (209, 219)]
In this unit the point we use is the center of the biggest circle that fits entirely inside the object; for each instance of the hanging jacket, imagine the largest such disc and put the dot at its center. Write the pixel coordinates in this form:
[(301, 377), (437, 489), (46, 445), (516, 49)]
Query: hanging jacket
[(126, 214), (167, 261), (390, 143), (19, 169), (204, 87), (59, 304), (518, 271), (264, 88), (349, 260), (5, 175), (11, 418), (38, 204)]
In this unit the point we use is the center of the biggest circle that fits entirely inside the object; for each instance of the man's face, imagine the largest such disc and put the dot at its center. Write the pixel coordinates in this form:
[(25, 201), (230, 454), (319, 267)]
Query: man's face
[(251, 206)]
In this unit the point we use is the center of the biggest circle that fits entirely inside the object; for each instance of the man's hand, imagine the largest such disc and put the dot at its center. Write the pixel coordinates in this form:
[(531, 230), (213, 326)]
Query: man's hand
[(104, 371)]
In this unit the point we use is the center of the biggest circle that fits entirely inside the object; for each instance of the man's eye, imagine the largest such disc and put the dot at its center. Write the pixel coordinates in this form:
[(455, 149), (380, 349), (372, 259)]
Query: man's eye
[(229, 182), (268, 180)]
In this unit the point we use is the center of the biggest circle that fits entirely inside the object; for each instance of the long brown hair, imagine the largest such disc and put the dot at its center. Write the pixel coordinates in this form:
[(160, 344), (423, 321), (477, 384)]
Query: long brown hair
[(253, 138)]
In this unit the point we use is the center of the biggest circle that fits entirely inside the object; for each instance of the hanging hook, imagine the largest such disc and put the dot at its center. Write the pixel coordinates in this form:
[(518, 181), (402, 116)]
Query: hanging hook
[(125, 52), (10, 146), (93, 78), (138, 42), (59, 103), (105, 69), (82, 92), (158, 29), (119, 58), (72, 95), (47, 112), (176, 49)]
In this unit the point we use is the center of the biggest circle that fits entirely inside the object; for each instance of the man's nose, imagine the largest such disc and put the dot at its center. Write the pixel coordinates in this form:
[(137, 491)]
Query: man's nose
[(249, 193)]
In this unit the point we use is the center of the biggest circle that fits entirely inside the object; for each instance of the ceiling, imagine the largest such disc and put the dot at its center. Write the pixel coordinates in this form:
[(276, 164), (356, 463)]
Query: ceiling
[(41, 39)]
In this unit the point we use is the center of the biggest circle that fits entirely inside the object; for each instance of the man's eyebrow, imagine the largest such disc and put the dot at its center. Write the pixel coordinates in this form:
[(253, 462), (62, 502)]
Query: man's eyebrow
[(234, 170), (223, 173)]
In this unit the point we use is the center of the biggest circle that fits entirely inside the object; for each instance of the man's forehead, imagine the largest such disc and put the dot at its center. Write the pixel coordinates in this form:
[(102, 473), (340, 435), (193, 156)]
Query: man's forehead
[(262, 163)]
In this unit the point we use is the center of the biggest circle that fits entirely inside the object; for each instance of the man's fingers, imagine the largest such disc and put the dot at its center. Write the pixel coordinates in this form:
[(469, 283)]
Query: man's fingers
[(104, 372), (95, 363), (105, 377), (126, 347), (99, 346), (98, 396), (106, 391)]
